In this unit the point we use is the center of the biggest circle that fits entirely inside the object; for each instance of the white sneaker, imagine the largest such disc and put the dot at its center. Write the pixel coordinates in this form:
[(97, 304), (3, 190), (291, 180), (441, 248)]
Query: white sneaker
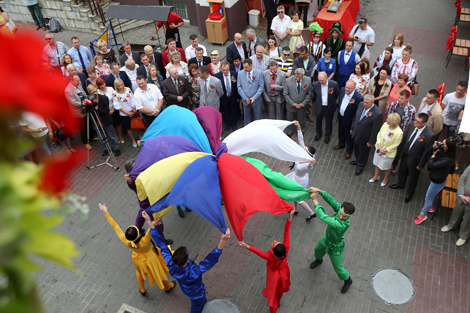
[(461, 242), (445, 229)]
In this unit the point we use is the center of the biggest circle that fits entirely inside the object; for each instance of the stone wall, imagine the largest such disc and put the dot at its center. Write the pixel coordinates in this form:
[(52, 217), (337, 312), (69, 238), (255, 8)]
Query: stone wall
[(69, 14)]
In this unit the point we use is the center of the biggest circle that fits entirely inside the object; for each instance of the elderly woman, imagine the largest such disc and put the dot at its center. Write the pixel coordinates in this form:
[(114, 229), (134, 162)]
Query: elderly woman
[(405, 65), (388, 140), (102, 69), (361, 78), (214, 66), (175, 61), (397, 46), (379, 87), (154, 77), (108, 92), (195, 92), (400, 85), (92, 75), (109, 55), (123, 101), (66, 60), (272, 50)]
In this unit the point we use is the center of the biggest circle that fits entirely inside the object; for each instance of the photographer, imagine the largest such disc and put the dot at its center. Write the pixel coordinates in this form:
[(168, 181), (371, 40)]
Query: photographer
[(100, 103), (439, 166)]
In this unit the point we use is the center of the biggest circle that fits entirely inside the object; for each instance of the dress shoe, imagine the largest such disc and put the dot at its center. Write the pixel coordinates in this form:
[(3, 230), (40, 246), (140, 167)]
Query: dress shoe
[(310, 217), (461, 242), (347, 156), (445, 229), (358, 172), (310, 117), (353, 162), (395, 186), (327, 140), (394, 170), (337, 147), (372, 180), (317, 137), (315, 263), (347, 283), (408, 198)]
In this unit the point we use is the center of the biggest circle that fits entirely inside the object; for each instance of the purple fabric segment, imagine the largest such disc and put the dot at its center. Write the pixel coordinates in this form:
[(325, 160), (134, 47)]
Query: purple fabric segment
[(159, 148), (222, 149), (211, 121), (197, 189)]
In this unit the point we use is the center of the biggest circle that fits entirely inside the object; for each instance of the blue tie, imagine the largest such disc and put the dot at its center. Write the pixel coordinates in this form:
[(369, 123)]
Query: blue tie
[(81, 59), (362, 115)]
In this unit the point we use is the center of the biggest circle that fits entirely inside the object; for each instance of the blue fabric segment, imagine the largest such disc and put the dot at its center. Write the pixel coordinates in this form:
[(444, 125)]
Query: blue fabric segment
[(179, 121)]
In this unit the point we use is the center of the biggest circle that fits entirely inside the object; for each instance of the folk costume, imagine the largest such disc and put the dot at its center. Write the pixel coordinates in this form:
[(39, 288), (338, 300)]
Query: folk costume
[(339, 44)]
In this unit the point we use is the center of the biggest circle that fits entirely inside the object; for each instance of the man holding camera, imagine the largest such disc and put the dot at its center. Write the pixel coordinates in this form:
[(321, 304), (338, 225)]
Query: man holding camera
[(417, 144), (76, 96)]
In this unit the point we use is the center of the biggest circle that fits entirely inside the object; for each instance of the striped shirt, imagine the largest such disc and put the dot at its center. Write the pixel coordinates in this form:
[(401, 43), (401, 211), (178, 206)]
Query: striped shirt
[(284, 65)]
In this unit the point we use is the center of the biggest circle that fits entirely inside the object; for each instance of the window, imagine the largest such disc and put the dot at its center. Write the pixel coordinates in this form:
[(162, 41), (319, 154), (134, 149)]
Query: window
[(180, 8)]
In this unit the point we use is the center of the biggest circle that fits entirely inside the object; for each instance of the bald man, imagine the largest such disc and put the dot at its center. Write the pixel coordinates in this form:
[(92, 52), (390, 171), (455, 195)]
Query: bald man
[(156, 58), (238, 46)]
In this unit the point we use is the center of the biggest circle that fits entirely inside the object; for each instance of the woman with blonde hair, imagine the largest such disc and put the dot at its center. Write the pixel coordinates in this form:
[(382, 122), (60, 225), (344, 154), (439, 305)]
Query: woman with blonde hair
[(123, 101), (102, 69), (175, 61), (214, 66), (66, 60), (154, 77), (388, 140), (109, 56)]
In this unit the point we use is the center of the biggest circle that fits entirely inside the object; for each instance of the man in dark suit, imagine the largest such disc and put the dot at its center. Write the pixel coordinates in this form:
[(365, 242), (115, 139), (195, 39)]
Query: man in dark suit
[(365, 128), (325, 92), (237, 47), (176, 89), (254, 41), (236, 65), (349, 99), (418, 142), (143, 69), (271, 12), (199, 59), (129, 54), (116, 73), (230, 101), (155, 58)]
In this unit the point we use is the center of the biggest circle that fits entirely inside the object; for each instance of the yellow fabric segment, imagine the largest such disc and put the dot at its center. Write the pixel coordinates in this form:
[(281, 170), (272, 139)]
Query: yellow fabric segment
[(104, 37), (156, 181), (162, 213)]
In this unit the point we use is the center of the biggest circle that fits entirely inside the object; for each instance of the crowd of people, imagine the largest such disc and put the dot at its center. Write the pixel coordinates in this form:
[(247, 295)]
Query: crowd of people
[(293, 80)]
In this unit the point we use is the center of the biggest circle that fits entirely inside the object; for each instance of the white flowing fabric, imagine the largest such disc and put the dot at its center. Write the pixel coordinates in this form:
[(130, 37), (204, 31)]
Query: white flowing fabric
[(267, 139), (281, 124)]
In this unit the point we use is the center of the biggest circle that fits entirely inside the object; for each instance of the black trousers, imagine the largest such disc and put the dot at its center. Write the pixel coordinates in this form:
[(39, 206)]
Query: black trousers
[(344, 135), (361, 151), (329, 122), (230, 112), (408, 172), (148, 119)]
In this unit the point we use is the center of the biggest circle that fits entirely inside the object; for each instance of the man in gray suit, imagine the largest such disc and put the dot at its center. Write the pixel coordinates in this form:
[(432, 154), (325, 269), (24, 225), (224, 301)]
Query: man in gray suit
[(297, 92), (274, 81), (254, 41), (210, 87), (326, 94), (364, 130), (74, 94), (250, 85)]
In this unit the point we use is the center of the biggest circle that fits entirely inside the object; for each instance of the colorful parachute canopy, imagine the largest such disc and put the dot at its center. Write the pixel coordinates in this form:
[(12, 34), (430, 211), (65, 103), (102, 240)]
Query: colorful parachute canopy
[(286, 188), (281, 124), (198, 189), (156, 181), (179, 121), (159, 148), (211, 121), (267, 139), (246, 192)]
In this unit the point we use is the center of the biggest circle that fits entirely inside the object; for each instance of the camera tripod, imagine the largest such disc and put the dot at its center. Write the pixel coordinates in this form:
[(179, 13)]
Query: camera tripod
[(91, 114)]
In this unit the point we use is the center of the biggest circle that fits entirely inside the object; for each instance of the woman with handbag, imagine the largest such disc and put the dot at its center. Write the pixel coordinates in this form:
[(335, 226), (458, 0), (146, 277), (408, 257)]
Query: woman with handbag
[(295, 31), (379, 87), (123, 101)]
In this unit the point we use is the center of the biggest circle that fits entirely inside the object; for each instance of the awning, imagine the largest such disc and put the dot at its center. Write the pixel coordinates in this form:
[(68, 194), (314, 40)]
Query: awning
[(139, 12)]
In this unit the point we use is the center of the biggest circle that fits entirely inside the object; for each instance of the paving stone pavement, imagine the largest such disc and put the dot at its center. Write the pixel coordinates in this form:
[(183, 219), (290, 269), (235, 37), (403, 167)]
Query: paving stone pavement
[(382, 232)]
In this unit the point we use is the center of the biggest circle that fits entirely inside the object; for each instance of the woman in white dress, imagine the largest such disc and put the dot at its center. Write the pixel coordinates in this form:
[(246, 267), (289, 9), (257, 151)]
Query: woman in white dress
[(300, 172), (272, 49)]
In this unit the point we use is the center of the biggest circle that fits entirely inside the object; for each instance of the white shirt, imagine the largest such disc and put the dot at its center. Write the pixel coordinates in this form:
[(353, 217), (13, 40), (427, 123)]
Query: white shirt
[(417, 135), (132, 76), (347, 55), (367, 34), (147, 99), (281, 26), (427, 108), (240, 50), (190, 51), (324, 94), (109, 94), (34, 121), (452, 110), (345, 103)]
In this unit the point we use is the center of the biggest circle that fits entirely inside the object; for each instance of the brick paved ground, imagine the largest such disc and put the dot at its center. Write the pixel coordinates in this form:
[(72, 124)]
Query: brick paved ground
[(382, 232)]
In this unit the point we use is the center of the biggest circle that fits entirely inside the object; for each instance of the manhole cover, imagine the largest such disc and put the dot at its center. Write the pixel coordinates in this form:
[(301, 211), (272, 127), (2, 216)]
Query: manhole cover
[(220, 306), (392, 286)]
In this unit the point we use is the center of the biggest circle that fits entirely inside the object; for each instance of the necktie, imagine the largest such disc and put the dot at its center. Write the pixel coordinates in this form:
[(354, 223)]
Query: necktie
[(176, 85), (238, 69), (363, 114), (412, 138), (347, 53), (249, 77), (81, 59), (298, 87), (227, 86), (273, 82), (199, 63)]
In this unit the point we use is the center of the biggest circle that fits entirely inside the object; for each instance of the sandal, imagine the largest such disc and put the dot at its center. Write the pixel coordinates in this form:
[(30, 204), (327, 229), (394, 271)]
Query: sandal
[(67, 150), (72, 150)]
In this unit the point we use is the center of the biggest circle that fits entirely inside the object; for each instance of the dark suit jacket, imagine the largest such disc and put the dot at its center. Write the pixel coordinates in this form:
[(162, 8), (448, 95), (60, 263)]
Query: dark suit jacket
[(350, 112), (419, 152), (170, 93), (332, 97), (205, 60), (259, 41), (224, 100), (299, 62), (271, 9), (103, 110), (157, 60), (83, 80), (135, 57), (141, 70), (232, 68), (366, 130), (232, 50), (124, 77)]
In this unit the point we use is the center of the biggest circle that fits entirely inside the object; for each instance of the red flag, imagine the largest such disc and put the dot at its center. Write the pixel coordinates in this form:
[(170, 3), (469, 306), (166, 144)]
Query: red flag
[(245, 192)]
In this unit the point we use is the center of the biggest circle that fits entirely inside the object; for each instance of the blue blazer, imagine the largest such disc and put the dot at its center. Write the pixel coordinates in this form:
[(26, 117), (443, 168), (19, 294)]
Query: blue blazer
[(328, 68), (251, 89), (232, 50), (350, 112), (124, 77), (224, 99)]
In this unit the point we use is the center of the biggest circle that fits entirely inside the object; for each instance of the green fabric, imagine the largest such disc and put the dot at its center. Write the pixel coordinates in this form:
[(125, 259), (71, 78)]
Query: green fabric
[(336, 257), (336, 227), (286, 188)]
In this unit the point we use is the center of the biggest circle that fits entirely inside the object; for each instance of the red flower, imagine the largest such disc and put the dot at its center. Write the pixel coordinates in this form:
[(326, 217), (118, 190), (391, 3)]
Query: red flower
[(420, 138), (254, 78), (234, 80), (429, 113), (390, 135), (330, 91), (128, 95), (351, 101), (30, 84), (369, 114), (305, 86)]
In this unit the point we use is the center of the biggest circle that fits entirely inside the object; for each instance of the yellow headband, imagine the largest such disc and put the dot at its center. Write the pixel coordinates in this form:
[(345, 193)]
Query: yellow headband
[(132, 241)]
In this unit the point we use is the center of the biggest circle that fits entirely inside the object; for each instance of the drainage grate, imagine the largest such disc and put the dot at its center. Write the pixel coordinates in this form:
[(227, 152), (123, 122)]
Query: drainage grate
[(393, 286), (220, 306)]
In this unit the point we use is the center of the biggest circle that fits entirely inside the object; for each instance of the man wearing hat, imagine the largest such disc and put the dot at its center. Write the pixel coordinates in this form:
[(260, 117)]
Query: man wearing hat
[(364, 37), (335, 42)]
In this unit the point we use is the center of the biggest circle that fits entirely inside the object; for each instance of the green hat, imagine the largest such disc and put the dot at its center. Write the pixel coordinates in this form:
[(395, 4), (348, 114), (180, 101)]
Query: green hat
[(336, 27)]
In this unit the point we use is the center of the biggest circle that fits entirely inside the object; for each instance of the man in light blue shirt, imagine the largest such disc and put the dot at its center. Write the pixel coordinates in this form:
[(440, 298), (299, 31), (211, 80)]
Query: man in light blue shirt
[(80, 54), (35, 10)]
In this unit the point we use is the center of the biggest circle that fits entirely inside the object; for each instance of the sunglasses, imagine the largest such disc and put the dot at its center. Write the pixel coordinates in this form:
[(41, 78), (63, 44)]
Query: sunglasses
[(280, 12), (286, 55), (214, 55), (48, 38)]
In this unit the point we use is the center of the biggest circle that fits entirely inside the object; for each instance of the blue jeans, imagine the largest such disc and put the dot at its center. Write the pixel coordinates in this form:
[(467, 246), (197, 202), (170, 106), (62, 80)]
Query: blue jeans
[(112, 135), (36, 13), (432, 192)]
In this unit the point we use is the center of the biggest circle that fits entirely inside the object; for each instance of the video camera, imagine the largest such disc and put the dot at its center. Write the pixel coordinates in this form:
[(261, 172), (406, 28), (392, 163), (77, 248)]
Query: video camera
[(88, 105)]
